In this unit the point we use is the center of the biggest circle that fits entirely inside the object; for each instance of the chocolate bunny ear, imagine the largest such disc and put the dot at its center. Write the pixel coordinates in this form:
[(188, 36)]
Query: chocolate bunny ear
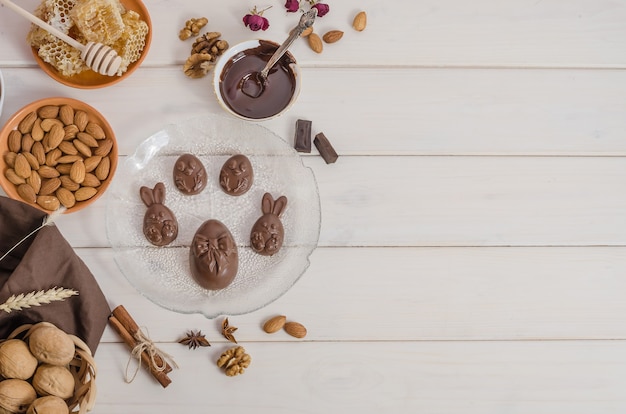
[(146, 196), (267, 204), (279, 206), (153, 196)]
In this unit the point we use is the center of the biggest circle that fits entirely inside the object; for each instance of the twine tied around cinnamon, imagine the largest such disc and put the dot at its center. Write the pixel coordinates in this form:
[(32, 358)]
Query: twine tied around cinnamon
[(158, 359)]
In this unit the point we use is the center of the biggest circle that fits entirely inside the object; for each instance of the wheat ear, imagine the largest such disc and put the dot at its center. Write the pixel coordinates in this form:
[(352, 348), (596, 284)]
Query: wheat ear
[(36, 298)]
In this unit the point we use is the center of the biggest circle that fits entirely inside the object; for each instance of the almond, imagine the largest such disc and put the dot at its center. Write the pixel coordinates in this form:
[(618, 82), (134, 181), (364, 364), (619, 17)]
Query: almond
[(104, 147), (55, 136), (80, 120), (295, 329), (66, 197), (70, 132), (27, 142), (82, 148), (315, 43), (49, 186), (9, 158), (66, 114), (39, 153), (77, 172), (13, 177), (95, 130), (69, 159), (32, 161), (68, 183), (64, 169), (307, 31), (27, 193), (91, 181), (14, 141), (332, 36), (34, 181), (87, 139), (45, 171), (85, 193), (50, 203), (92, 162), (360, 21), (274, 324), (46, 124), (26, 124), (68, 148), (48, 111), (37, 132), (52, 157), (102, 170), (22, 167)]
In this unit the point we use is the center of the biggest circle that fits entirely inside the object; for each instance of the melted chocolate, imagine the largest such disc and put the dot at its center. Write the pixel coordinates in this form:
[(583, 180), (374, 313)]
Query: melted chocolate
[(236, 175), (213, 256), (159, 223), (267, 235), (189, 174), (279, 86)]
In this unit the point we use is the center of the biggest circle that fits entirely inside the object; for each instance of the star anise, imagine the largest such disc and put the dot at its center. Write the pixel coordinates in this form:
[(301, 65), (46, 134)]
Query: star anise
[(194, 340), (228, 330)]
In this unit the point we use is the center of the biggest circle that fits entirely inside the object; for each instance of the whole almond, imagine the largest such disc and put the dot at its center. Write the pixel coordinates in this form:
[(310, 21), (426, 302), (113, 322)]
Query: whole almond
[(32, 161), (315, 43), (82, 148), (22, 167), (13, 177), (92, 162), (307, 31), (9, 158), (104, 147), (91, 181), (103, 169), (80, 120), (27, 193), (87, 139), (34, 181), (360, 21), (332, 36), (50, 203), (68, 148), (26, 124), (45, 171), (48, 111), (274, 324), (95, 130), (66, 197), (63, 169), (295, 329), (68, 159), (77, 172), (14, 141), (66, 114), (68, 183), (39, 153), (55, 136), (49, 186), (46, 124), (70, 132), (52, 157), (37, 132), (85, 193), (27, 142)]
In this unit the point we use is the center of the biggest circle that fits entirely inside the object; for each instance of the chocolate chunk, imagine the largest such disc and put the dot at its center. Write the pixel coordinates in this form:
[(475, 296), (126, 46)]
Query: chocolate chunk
[(325, 148), (302, 141), (159, 223), (189, 174), (236, 175), (213, 256), (267, 234)]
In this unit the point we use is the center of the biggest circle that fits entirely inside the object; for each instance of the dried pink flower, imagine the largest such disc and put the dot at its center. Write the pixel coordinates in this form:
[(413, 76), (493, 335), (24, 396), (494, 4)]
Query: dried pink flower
[(255, 20)]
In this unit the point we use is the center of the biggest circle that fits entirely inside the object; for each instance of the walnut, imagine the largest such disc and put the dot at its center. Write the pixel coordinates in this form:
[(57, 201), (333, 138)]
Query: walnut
[(16, 395), (16, 361), (49, 404), (204, 52), (54, 380), (234, 361), (51, 345), (192, 27)]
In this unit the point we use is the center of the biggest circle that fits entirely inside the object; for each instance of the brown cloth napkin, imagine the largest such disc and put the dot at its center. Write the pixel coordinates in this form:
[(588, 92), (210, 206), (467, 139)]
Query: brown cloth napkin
[(44, 261)]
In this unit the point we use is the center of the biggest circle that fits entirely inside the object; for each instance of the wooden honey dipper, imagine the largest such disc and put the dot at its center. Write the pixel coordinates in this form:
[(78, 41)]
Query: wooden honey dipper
[(97, 56)]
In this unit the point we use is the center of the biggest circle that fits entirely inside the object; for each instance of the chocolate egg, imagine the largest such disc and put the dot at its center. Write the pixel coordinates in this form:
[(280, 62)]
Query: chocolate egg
[(213, 256), (159, 223), (189, 174), (267, 235), (236, 175)]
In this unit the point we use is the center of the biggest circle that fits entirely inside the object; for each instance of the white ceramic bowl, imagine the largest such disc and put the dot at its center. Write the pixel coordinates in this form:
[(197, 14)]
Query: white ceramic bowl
[(2, 92), (236, 52)]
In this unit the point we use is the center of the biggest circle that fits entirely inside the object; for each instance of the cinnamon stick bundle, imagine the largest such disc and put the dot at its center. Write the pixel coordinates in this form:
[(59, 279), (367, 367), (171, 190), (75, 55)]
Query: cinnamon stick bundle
[(127, 328)]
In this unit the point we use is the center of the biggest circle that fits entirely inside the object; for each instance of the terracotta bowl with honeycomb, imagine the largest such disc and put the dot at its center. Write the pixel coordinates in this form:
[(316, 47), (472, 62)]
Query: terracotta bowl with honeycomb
[(129, 33), (57, 152)]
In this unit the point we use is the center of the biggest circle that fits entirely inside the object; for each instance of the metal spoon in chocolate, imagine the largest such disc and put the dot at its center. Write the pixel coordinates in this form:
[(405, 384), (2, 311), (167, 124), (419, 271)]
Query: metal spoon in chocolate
[(253, 84)]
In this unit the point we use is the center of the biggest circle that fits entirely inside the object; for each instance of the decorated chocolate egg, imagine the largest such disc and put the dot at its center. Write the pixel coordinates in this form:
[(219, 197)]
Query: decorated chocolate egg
[(213, 255), (189, 174), (236, 175)]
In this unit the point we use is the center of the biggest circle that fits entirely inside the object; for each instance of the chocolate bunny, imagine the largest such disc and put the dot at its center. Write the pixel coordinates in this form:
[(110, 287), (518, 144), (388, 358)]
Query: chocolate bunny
[(267, 232), (159, 223)]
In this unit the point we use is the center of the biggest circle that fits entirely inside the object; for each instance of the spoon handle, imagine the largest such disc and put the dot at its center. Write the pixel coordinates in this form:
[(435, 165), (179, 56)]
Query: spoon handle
[(306, 21)]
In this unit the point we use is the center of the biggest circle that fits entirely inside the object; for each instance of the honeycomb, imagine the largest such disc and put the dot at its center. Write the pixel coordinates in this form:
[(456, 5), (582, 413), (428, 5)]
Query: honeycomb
[(102, 21), (132, 41), (98, 21)]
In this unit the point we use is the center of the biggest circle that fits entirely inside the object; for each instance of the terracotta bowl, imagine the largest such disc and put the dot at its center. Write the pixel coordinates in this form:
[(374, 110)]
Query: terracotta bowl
[(10, 180), (2, 92), (89, 79)]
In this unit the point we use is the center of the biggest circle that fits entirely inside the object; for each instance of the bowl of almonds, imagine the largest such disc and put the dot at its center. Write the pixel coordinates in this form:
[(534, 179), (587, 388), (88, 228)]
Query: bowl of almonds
[(57, 153)]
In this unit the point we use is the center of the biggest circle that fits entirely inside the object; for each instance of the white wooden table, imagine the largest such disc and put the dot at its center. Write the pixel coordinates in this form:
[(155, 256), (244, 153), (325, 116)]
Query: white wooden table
[(472, 256)]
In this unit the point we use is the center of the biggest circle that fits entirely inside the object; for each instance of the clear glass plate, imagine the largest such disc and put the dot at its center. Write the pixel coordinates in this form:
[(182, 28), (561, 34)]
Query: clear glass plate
[(162, 273)]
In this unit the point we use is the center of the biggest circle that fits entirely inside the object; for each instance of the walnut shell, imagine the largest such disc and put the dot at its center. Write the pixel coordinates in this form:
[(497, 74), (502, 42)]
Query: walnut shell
[(48, 405), (16, 395), (51, 345), (16, 361), (54, 380)]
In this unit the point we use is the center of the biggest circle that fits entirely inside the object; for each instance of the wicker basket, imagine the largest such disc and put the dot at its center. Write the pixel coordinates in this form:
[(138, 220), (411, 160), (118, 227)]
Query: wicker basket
[(82, 367)]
